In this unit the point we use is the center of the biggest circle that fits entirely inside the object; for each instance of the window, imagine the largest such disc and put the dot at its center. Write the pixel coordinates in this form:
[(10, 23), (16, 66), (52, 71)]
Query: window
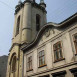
[(59, 74), (37, 22), (57, 51), (74, 71), (14, 64), (30, 63), (44, 76), (41, 58), (75, 42), (75, 75), (18, 24)]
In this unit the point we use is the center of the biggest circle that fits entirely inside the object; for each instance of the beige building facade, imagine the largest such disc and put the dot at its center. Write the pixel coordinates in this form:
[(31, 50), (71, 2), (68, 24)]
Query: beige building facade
[(41, 49), (58, 50)]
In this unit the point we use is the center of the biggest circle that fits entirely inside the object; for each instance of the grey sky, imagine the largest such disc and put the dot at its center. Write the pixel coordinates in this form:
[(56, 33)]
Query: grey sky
[(57, 11)]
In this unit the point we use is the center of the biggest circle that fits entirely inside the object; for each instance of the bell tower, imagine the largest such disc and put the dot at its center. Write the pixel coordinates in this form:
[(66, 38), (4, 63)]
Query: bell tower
[(34, 17), (30, 17)]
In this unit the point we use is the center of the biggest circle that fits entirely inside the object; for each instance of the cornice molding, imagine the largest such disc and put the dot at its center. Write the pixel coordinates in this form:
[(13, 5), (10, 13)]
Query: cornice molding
[(34, 4), (14, 44)]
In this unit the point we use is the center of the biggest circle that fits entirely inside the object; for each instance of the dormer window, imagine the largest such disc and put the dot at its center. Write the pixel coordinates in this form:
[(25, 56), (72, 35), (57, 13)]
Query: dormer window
[(18, 24), (37, 22)]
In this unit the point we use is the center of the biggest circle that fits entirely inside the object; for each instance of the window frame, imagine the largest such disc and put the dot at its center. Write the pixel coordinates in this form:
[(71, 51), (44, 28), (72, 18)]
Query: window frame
[(61, 73), (74, 71), (75, 41), (18, 25), (60, 54), (41, 57), (29, 62), (13, 63)]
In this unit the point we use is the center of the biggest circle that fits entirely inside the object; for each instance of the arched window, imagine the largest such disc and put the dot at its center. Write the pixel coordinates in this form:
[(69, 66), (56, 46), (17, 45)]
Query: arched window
[(37, 22), (13, 63), (18, 24)]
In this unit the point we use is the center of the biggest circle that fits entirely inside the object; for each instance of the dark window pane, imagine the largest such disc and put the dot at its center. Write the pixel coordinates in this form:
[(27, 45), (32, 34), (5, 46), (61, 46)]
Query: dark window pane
[(45, 76), (75, 36), (75, 75), (57, 51), (60, 76), (18, 24), (41, 58), (56, 55), (37, 22), (14, 63), (75, 42), (30, 63)]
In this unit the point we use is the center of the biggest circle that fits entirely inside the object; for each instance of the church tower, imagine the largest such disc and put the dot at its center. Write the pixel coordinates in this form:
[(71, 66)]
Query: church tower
[(29, 18)]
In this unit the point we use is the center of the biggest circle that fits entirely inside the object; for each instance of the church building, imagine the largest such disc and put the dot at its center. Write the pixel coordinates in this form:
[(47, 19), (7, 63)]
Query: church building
[(39, 48)]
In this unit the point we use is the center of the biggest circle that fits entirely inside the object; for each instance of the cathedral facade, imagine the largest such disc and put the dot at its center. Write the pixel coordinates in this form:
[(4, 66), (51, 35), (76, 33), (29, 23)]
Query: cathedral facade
[(41, 49)]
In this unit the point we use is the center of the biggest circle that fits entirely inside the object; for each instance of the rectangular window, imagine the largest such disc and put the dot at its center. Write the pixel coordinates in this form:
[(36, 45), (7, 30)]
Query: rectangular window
[(30, 63), (37, 22), (60, 76), (57, 51), (44, 76), (41, 58), (18, 25), (75, 75), (75, 42), (74, 71)]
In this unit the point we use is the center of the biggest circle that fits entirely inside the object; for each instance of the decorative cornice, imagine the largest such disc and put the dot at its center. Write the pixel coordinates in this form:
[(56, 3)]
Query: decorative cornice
[(18, 7), (39, 7), (34, 4), (63, 25), (43, 4), (55, 68)]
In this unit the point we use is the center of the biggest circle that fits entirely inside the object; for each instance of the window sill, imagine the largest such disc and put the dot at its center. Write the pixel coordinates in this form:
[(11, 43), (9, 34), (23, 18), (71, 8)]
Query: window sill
[(29, 70), (42, 66), (59, 60)]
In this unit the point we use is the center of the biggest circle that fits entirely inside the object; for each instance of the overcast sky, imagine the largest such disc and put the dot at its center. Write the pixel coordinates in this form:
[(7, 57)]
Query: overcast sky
[(57, 11)]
